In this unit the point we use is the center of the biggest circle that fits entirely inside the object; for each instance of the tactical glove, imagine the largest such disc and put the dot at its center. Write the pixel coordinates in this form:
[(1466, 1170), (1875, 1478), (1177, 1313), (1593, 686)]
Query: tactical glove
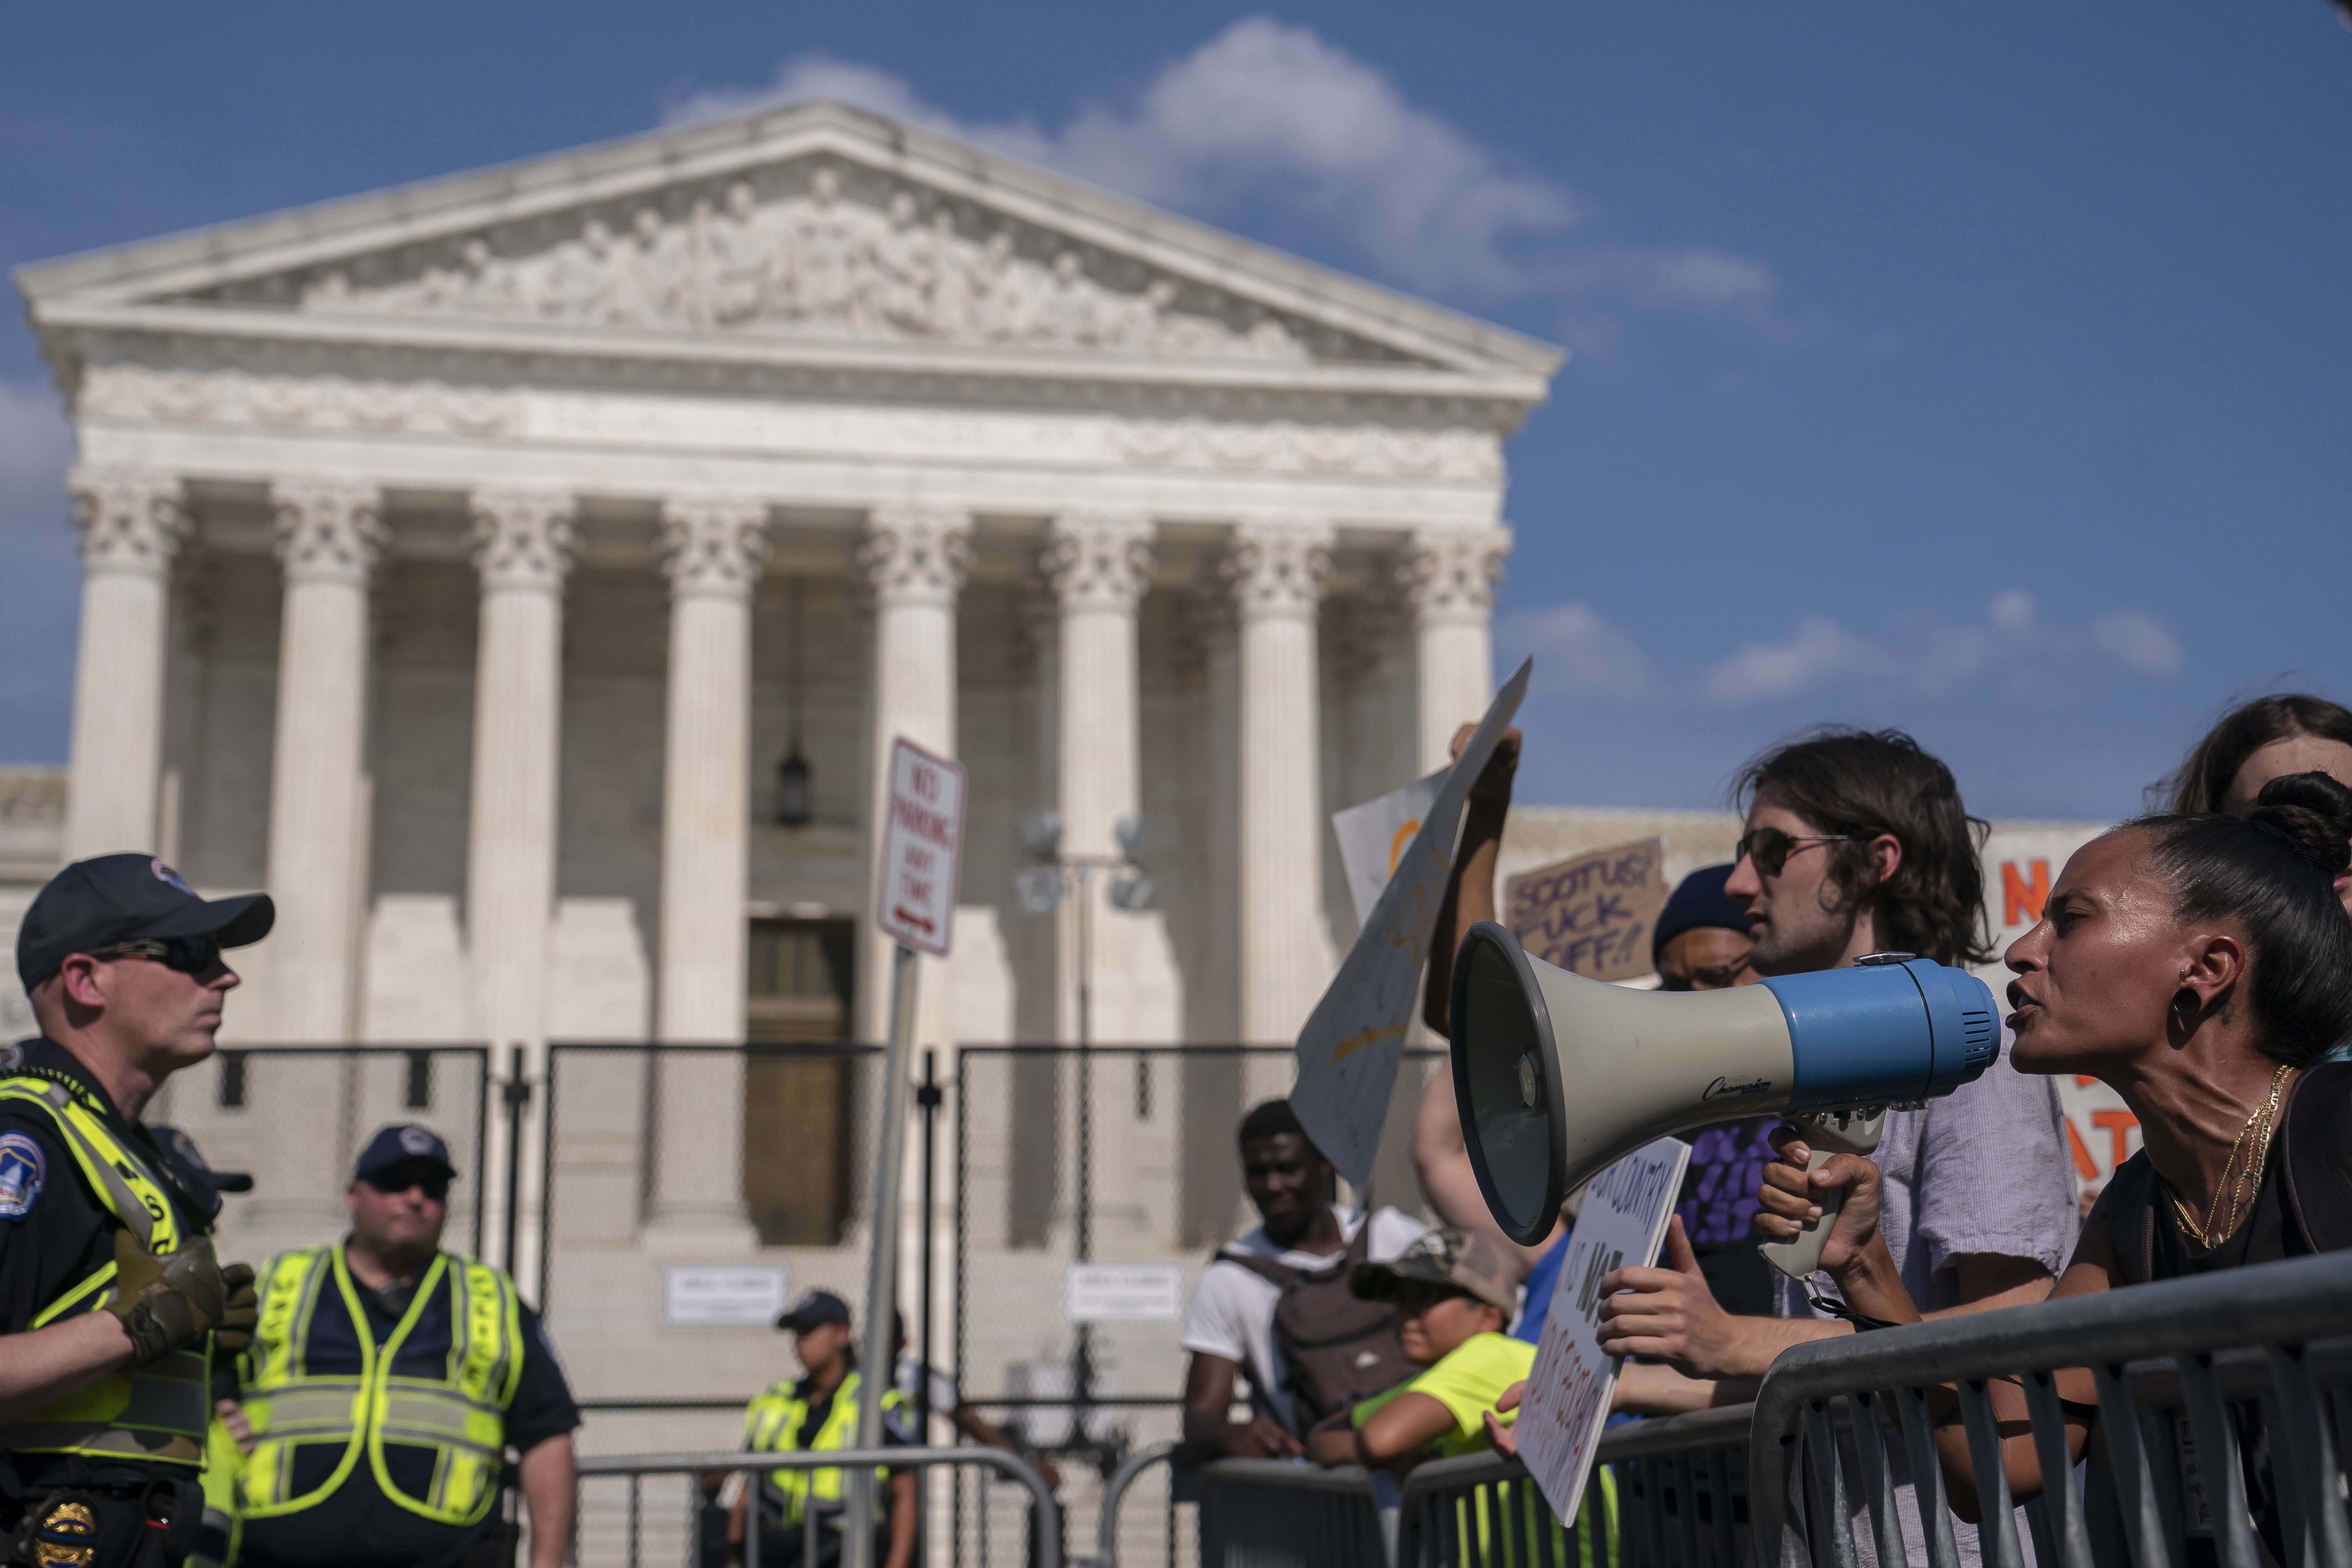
[(166, 1302), (234, 1333)]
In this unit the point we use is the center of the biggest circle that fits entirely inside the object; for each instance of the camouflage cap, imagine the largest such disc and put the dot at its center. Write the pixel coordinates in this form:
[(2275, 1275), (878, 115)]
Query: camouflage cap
[(1447, 1256)]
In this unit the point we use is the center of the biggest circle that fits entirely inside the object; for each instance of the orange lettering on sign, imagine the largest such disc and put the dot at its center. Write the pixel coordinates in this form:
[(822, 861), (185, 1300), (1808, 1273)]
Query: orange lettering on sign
[(2118, 1125), (2084, 1165), (2022, 901)]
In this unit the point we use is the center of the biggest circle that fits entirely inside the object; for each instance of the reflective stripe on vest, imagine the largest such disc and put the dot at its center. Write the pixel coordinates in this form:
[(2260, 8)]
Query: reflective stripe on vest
[(459, 1416), (772, 1425), (156, 1412)]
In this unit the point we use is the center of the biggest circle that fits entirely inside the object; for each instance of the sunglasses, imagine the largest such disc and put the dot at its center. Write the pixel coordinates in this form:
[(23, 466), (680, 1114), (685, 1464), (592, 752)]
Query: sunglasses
[(1771, 848), (188, 955), (393, 1183)]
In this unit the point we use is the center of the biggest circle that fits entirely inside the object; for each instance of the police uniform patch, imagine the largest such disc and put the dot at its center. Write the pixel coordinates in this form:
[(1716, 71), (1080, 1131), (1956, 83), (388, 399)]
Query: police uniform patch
[(23, 1174)]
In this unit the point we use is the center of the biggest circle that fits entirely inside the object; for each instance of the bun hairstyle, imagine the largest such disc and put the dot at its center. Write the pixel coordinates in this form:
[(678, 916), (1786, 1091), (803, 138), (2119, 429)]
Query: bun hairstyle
[(2274, 872)]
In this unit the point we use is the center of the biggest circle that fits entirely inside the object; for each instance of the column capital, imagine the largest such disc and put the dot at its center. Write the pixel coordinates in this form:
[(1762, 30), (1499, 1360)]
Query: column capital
[(522, 539), (1449, 574), (1276, 566), (132, 520), (328, 530), (917, 554), (1098, 560), (713, 546)]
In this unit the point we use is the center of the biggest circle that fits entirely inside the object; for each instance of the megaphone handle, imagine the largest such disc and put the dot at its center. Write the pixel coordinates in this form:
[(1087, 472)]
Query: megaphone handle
[(1800, 1254)]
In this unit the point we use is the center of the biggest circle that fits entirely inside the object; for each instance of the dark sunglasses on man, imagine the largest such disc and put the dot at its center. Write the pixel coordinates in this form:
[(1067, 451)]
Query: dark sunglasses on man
[(398, 1180), (1771, 848), (188, 955)]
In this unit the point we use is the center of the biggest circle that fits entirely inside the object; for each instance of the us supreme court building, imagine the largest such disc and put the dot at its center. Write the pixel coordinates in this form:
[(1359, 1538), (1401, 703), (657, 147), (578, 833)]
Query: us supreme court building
[(466, 562)]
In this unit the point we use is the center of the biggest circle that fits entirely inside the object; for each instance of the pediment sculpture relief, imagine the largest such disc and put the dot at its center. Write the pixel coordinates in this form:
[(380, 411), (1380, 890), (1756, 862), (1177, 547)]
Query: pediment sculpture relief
[(862, 259)]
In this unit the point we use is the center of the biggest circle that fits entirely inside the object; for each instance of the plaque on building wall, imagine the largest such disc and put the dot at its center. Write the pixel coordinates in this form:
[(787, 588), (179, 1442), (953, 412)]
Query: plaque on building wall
[(1123, 1293), (723, 1295)]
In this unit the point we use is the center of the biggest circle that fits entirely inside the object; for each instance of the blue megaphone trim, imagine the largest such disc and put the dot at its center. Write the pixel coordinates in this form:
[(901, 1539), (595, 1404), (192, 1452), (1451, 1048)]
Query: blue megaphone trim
[(1885, 1032)]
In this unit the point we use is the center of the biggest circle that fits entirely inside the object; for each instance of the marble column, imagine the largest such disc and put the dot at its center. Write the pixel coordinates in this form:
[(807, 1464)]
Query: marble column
[(329, 536), (1275, 570), (712, 548), (522, 548), (1449, 577), (132, 523), (1099, 567), (916, 558)]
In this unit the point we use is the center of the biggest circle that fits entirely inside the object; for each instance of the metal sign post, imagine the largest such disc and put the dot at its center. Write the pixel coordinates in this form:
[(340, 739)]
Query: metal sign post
[(914, 904)]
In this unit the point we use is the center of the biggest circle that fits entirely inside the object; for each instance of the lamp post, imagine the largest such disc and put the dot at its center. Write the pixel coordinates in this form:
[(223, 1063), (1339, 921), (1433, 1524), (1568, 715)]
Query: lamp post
[(1041, 887)]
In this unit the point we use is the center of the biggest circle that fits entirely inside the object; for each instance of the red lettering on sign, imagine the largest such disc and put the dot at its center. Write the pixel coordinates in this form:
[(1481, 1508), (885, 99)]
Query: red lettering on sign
[(2118, 1126)]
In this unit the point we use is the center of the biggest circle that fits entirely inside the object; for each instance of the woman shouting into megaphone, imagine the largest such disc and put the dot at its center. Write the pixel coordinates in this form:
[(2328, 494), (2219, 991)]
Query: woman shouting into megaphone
[(2201, 966)]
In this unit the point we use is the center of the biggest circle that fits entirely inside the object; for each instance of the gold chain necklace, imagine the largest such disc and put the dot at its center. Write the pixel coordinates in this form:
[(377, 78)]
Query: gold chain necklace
[(2237, 1183)]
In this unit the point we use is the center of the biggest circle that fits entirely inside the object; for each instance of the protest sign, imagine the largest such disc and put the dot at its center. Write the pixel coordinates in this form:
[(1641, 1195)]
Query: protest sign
[(1591, 915), (1374, 836), (1348, 1053), (2019, 866), (1566, 1404)]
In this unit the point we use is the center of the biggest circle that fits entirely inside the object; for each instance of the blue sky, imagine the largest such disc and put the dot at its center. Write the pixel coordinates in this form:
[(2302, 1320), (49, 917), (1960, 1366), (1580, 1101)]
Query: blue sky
[(1978, 369)]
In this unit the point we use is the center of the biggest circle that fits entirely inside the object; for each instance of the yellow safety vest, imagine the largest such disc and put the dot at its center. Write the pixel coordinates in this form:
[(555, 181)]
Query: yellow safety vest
[(157, 1412), (458, 1414), (772, 1425)]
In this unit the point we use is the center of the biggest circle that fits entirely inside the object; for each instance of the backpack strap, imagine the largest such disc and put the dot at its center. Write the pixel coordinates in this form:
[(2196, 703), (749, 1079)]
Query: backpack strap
[(2314, 1155), (1278, 1275)]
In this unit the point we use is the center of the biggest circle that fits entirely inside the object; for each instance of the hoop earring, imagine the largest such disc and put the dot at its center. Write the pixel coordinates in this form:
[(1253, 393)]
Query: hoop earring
[(2185, 1008)]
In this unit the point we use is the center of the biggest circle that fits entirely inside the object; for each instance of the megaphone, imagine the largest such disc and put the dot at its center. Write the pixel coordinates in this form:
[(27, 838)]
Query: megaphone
[(1557, 1077)]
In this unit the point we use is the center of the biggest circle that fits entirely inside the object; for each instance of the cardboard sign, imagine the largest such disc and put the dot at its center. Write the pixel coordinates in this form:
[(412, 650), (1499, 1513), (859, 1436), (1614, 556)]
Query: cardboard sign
[(1374, 836), (1123, 1293), (1348, 1053), (922, 848), (1591, 915), (1623, 1222), (2020, 868), (723, 1295)]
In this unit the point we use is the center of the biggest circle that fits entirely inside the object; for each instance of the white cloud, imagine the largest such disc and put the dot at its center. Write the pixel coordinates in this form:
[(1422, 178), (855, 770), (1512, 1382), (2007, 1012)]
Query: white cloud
[(1582, 656), (1819, 650), (2139, 643), (36, 446), (2010, 646), (1266, 111)]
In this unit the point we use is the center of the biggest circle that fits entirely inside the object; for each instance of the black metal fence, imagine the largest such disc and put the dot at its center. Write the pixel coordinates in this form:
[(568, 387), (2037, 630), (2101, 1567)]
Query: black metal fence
[(295, 1116)]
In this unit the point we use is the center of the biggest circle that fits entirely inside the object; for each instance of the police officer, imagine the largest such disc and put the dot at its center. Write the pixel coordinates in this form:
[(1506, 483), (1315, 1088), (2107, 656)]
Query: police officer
[(817, 1412), (111, 1301), (386, 1383)]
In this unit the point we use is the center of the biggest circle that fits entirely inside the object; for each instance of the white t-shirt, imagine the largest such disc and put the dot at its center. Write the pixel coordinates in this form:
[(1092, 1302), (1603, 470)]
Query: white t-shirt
[(1231, 1314)]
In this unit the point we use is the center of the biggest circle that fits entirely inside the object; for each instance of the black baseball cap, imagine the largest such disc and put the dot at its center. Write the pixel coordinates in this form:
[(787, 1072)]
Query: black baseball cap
[(107, 899), (403, 1144), (814, 1308)]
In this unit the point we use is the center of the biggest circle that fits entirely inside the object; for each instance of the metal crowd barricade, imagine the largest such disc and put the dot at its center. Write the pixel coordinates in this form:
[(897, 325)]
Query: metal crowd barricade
[(1282, 1514), (592, 1551), (2179, 1369)]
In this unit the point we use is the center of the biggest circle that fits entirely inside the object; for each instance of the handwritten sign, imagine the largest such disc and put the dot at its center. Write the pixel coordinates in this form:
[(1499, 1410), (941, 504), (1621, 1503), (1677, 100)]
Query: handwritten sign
[(2021, 865), (922, 848), (1348, 1053), (1374, 836), (1624, 1221), (1591, 915)]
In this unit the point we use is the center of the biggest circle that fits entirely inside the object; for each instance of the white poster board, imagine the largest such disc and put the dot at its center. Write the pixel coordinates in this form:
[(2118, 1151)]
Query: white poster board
[(1123, 1293), (1623, 1222), (2021, 865), (922, 850), (1374, 836), (1348, 1053), (723, 1295)]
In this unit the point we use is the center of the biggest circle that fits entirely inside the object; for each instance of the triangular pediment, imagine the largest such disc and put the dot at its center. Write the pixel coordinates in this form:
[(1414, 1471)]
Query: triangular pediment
[(816, 224)]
